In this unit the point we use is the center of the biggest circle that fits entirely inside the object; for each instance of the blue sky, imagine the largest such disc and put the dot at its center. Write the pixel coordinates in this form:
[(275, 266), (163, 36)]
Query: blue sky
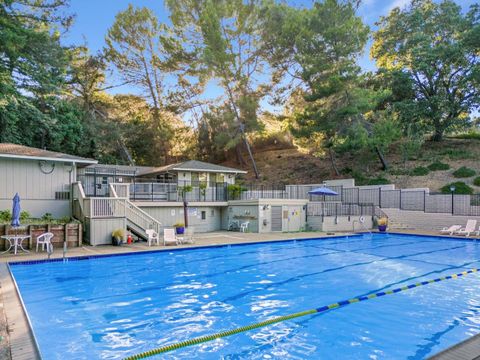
[(94, 17)]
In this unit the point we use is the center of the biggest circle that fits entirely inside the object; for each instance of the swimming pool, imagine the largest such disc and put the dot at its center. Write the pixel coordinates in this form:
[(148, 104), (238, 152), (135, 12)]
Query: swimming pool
[(112, 307)]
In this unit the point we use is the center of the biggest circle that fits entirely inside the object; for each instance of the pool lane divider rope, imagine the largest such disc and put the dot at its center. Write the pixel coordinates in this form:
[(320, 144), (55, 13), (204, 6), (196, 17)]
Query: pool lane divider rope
[(207, 338)]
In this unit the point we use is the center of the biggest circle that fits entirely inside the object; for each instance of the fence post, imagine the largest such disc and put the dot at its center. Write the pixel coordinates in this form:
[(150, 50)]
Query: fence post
[(379, 197), (424, 201), (400, 205)]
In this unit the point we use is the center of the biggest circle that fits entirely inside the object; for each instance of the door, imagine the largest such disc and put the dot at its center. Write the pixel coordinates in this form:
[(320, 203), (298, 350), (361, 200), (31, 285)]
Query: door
[(276, 218)]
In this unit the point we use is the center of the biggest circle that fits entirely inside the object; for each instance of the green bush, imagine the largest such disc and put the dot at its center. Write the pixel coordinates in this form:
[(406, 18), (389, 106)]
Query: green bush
[(5, 216), (47, 217), (457, 154), (419, 171), (377, 181), (234, 191), (472, 134), (464, 172), (24, 215), (460, 188), (438, 165), (476, 181)]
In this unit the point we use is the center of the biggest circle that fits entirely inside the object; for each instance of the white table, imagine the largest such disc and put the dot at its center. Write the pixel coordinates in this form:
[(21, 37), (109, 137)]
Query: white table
[(15, 241)]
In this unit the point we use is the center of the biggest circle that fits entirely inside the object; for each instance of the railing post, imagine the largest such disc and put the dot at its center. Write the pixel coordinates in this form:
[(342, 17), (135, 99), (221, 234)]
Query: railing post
[(424, 201), (380, 197)]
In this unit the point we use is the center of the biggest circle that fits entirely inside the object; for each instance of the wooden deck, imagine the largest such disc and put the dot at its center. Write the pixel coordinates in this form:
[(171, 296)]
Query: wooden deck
[(466, 350)]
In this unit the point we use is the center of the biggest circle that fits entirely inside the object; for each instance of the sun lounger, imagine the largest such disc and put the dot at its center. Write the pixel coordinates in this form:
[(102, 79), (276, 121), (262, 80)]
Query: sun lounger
[(450, 230), (469, 228), (187, 238)]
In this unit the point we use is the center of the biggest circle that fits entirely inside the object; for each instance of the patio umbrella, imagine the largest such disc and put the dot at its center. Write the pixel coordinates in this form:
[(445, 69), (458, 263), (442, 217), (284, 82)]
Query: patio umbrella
[(322, 191), (16, 212)]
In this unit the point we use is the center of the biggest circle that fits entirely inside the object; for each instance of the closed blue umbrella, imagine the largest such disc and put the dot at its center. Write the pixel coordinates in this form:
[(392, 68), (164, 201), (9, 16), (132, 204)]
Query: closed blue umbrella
[(322, 191), (16, 211)]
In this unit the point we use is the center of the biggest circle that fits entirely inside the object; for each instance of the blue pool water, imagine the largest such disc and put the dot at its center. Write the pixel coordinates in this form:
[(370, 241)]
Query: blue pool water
[(112, 307)]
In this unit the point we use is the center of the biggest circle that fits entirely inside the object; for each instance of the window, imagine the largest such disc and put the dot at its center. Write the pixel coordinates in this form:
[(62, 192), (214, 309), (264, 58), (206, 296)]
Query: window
[(195, 177), (202, 177), (220, 178), (204, 215)]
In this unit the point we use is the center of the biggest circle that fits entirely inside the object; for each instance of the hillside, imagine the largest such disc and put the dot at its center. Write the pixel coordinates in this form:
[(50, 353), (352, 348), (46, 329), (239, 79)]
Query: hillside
[(289, 165)]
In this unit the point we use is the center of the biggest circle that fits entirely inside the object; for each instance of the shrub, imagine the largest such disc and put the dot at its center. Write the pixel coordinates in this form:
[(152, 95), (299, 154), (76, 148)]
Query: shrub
[(438, 165), (457, 154), (65, 220), (178, 224), (378, 181), (472, 134), (476, 181), (234, 191), (24, 215), (460, 188), (464, 172), (118, 233), (5, 216), (419, 171), (47, 217)]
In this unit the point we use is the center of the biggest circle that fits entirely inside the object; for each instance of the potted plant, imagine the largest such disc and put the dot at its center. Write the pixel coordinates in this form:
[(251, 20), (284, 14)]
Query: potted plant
[(382, 224), (117, 237), (179, 228)]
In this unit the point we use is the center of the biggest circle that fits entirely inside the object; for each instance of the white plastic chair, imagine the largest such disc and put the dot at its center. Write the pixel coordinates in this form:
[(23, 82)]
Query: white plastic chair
[(169, 237), (187, 238), (45, 239), (244, 226), (152, 237), (469, 228)]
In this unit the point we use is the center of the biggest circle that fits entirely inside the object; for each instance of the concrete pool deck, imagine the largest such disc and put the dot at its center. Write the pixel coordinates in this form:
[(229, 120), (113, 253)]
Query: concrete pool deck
[(20, 338)]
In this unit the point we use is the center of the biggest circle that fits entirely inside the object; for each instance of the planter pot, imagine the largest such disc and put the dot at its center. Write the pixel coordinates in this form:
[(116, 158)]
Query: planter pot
[(116, 241), (382, 228), (180, 230)]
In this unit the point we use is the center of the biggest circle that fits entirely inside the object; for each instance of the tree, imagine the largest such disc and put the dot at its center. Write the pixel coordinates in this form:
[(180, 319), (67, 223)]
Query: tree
[(322, 45), (139, 47), (226, 36), (432, 50)]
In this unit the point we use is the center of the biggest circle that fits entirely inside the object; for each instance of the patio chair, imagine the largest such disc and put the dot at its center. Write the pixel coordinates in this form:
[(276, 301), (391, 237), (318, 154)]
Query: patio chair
[(169, 237), (450, 230), (152, 237), (469, 228), (45, 239), (187, 237), (244, 226)]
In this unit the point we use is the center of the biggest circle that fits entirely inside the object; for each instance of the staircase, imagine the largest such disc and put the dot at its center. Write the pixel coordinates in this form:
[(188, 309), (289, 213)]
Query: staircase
[(138, 221), (419, 220)]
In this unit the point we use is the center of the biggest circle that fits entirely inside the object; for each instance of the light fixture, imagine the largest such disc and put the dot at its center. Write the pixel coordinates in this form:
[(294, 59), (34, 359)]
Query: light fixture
[(452, 188)]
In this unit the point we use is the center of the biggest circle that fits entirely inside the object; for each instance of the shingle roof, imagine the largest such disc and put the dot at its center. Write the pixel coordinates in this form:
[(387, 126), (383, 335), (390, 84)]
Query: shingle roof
[(26, 152), (194, 165)]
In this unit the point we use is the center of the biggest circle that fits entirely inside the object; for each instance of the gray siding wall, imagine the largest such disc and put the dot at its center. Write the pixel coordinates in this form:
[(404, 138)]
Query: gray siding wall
[(171, 215), (99, 231), (36, 189)]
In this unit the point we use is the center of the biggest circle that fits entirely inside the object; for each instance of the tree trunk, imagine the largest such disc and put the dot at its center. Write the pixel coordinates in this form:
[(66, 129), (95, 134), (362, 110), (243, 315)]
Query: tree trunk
[(437, 135), (382, 159), (238, 152), (332, 160)]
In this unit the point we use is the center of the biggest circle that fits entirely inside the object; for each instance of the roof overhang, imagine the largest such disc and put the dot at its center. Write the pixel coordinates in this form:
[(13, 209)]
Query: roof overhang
[(211, 171), (41, 158)]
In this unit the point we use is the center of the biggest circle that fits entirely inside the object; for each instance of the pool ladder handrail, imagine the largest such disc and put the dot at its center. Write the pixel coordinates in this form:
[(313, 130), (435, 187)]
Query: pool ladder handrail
[(363, 225)]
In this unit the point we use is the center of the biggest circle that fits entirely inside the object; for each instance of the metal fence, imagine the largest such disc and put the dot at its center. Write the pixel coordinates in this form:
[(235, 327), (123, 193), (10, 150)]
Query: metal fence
[(339, 209)]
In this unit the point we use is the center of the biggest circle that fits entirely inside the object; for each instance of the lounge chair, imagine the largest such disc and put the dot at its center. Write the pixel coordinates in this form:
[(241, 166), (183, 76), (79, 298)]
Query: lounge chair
[(469, 228), (450, 230), (244, 226), (187, 237), (45, 239), (152, 237), (169, 237)]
